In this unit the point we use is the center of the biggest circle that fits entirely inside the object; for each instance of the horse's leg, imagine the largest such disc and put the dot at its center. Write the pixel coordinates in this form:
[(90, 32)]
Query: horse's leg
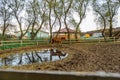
[(52, 41), (50, 57), (60, 43), (59, 57)]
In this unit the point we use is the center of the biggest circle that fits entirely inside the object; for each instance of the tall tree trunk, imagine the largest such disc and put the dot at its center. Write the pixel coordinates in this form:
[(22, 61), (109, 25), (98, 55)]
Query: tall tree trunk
[(32, 32), (110, 30), (65, 18), (59, 27), (76, 31), (67, 31), (66, 26), (4, 29), (50, 36), (50, 25), (110, 19), (104, 24), (3, 34), (103, 33)]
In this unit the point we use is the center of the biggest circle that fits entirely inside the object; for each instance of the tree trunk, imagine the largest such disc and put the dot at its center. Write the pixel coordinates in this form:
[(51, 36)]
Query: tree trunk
[(4, 29), (110, 30), (103, 31), (3, 34), (67, 28), (50, 36), (76, 37)]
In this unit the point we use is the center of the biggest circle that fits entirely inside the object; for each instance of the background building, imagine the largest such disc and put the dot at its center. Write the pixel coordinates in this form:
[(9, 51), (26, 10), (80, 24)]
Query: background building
[(64, 33)]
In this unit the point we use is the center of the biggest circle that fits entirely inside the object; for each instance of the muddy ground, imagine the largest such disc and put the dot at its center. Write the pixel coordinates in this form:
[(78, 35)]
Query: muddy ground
[(82, 57)]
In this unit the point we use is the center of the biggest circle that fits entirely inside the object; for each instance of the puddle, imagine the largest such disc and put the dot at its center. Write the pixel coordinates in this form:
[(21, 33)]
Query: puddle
[(32, 57)]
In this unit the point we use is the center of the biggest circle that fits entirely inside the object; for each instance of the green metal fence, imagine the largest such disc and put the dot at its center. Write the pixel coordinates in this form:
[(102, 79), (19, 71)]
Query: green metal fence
[(20, 43)]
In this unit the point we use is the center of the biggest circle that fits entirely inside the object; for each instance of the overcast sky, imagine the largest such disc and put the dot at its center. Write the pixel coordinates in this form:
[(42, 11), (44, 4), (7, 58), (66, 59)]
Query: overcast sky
[(89, 24)]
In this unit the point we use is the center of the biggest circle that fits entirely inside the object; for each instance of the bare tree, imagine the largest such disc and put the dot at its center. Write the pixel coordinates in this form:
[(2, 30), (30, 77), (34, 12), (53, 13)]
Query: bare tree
[(107, 11), (101, 14), (112, 12), (36, 11), (58, 11), (32, 13), (51, 16), (80, 7), (5, 16), (17, 7), (66, 8)]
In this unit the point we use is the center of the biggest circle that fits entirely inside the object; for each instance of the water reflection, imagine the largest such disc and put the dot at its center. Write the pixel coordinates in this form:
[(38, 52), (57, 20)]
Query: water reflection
[(32, 57)]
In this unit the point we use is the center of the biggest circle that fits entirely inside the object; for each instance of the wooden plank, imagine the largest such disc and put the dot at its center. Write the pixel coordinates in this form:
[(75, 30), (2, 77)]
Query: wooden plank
[(56, 75)]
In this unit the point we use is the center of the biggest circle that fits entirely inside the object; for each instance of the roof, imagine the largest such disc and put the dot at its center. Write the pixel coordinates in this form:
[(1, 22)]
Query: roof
[(98, 31), (115, 30), (95, 31), (64, 30)]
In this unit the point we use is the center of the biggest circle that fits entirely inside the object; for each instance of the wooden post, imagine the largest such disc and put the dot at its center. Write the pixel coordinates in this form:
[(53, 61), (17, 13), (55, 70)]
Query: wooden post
[(114, 39), (2, 44), (37, 43), (99, 40), (70, 41), (21, 42)]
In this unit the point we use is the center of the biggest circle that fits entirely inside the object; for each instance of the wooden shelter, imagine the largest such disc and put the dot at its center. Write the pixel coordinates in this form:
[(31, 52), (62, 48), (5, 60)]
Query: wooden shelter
[(64, 33)]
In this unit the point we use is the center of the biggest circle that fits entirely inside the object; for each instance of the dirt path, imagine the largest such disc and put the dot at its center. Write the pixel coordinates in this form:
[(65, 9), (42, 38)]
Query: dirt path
[(83, 57)]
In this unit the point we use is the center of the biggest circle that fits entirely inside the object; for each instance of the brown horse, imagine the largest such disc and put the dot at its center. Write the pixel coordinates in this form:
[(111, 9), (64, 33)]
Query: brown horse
[(58, 39)]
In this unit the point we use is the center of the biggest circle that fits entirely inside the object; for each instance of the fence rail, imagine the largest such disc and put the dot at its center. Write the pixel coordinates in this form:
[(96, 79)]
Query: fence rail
[(20, 43), (93, 40), (56, 75)]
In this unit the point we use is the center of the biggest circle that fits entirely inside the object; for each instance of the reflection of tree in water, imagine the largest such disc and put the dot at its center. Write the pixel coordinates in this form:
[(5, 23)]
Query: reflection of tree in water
[(31, 57), (20, 59), (28, 57), (4, 61), (38, 56), (7, 60)]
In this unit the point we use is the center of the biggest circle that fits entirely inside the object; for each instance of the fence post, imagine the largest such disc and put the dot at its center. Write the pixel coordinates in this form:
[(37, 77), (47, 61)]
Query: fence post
[(114, 39), (70, 41), (21, 42), (2, 44), (37, 42), (99, 40)]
